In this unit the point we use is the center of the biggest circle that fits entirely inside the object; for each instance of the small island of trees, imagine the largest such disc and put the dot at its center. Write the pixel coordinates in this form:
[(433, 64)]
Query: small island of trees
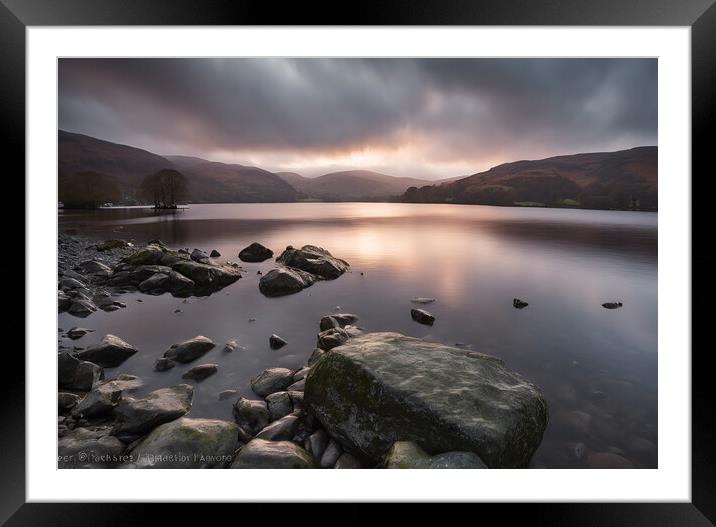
[(164, 189)]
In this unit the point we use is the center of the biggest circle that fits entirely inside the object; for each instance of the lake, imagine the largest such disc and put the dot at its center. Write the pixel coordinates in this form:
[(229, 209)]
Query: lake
[(597, 367)]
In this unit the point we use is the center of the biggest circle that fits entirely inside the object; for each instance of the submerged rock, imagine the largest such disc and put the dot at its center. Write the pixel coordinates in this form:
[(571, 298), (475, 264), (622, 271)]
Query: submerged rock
[(189, 350), (109, 352), (231, 346), (76, 332), (422, 300), (137, 416), (612, 305), (406, 454), (519, 304), (255, 253), (187, 443), (314, 260), (422, 316), (385, 387), (259, 453), (201, 372), (283, 281), (276, 342)]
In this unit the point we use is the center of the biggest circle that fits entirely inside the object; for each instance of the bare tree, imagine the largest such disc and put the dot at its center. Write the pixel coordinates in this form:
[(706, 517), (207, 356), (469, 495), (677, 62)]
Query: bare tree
[(165, 189)]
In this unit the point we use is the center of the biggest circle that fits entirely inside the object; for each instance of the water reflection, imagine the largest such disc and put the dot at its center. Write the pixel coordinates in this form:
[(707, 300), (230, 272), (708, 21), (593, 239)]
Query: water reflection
[(597, 367)]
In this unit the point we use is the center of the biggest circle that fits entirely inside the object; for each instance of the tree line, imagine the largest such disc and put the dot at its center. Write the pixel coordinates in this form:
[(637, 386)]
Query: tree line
[(164, 189)]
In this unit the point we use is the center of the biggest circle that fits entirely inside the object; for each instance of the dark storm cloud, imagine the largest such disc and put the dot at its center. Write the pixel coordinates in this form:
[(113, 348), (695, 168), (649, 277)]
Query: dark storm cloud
[(445, 110)]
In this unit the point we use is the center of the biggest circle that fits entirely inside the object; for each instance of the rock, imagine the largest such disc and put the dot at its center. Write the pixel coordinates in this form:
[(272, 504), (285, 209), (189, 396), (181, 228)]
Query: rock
[(178, 285), (329, 339), (112, 306), (67, 284), (519, 304), (109, 352), (231, 346), (422, 316), (259, 453), (276, 342), (385, 387), (201, 372), (208, 278), (279, 405), (406, 454), (214, 253), (272, 380), (331, 454), (280, 430), (339, 320), (156, 281), (151, 254), (83, 448), (608, 460), (296, 399), (422, 300), (109, 245), (189, 350), (301, 374), (163, 364), (250, 415), (612, 305), (74, 374), (282, 281), (94, 268), (255, 253), (187, 443), (297, 386), (63, 301), (100, 401), (76, 332), (314, 260), (227, 394), (81, 307), (66, 401), (347, 461), (137, 416), (199, 256), (315, 356), (317, 443)]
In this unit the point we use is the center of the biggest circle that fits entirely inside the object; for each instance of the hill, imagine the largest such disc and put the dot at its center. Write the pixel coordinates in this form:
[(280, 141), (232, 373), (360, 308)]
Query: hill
[(604, 180), (351, 185)]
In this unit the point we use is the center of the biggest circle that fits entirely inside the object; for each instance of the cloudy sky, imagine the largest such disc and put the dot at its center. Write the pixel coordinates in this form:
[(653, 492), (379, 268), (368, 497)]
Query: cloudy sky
[(428, 118)]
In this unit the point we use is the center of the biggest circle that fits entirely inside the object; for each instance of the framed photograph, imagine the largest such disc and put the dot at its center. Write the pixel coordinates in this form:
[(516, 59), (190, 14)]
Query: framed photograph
[(446, 247)]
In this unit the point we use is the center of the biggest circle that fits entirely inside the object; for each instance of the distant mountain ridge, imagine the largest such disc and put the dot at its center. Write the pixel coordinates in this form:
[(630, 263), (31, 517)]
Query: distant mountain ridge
[(351, 185), (605, 180), (626, 179)]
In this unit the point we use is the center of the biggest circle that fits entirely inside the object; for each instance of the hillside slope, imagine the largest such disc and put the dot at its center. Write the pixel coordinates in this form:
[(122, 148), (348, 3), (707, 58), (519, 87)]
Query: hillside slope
[(605, 180), (351, 185)]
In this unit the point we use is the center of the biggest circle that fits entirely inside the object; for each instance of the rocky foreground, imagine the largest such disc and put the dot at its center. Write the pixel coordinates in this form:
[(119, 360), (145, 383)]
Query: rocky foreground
[(363, 400)]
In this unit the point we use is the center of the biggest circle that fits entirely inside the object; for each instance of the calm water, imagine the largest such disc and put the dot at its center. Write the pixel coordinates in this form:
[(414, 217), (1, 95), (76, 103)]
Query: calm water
[(597, 367)]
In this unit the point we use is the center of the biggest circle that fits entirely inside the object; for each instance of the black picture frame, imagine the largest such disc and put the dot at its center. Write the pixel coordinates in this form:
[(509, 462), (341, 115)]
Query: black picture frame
[(699, 15)]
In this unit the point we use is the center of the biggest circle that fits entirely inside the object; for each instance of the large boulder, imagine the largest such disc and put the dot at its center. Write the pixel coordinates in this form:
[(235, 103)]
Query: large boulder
[(380, 388), (314, 260), (189, 350), (187, 443), (208, 277), (337, 320), (109, 352), (259, 453), (283, 281), (405, 454), (255, 253), (137, 416)]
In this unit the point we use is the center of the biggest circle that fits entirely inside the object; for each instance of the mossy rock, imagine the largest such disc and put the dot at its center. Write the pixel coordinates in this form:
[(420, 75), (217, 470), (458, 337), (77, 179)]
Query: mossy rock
[(385, 387)]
